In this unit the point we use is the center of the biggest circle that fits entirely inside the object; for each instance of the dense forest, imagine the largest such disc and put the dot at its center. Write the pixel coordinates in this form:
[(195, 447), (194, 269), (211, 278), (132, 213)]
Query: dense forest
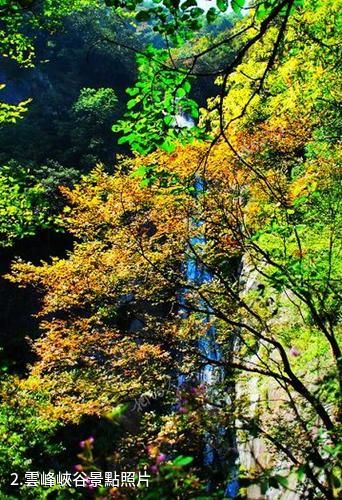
[(170, 249)]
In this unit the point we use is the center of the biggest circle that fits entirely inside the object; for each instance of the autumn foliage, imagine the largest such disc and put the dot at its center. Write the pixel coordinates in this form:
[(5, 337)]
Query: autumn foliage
[(256, 208)]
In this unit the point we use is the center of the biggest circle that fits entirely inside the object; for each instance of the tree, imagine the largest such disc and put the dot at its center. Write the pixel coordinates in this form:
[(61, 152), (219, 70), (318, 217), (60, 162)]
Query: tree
[(71, 60), (269, 196), (23, 206), (175, 22), (17, 20)]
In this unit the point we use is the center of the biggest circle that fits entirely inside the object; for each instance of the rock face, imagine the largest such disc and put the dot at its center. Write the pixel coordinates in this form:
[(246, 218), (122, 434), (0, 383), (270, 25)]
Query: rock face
[(19, 88), (254, 455)]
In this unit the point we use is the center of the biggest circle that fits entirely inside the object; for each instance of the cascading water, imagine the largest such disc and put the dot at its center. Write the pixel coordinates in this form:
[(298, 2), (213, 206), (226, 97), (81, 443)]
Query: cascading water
[(211, 375), (183, 121)]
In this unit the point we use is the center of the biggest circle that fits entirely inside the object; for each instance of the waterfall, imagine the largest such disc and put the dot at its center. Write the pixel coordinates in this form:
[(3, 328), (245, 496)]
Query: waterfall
[(210, 375), (183, 121)]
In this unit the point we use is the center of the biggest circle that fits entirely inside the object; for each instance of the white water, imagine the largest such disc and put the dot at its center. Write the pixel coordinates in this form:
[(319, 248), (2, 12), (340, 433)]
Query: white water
[(183, 121)]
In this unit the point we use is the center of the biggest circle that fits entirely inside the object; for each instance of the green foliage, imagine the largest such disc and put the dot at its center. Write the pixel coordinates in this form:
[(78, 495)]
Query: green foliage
[(168, 478), (51, 177), (98, 103), (173, 478), (275, 200), (71, 62), (91, 118), (158, 97), (162, 90), (17, 16), (23, 206), (26, 444), (10, 113), (18, 19)]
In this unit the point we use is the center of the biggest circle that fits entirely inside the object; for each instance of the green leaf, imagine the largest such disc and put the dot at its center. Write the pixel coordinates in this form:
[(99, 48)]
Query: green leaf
[(282, 481), (222, 5), (180, 92), (301, 473), (264, 486), (261, 12), (237, 5), (140, 172), (131, 103), (212, 15), (188, 3), (146, 182), (186, 86), (118, 411), (168, 119), (168, 146), (181, 461), (126, 138), (196, 12), (132, 91)]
